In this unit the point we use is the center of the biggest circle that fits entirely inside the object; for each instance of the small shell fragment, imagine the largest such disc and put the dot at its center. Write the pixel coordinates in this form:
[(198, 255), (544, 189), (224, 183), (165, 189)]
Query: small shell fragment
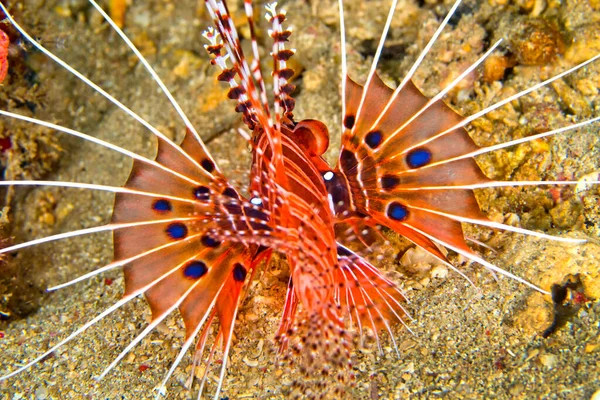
[(587, 182), (249, 362), (439, 272)]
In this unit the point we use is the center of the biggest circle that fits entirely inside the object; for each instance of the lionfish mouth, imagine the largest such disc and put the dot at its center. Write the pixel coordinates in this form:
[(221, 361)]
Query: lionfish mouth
[(288, 230)]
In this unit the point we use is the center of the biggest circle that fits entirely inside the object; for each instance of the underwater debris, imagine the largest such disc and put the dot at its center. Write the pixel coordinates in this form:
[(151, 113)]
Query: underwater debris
[(568, 298)]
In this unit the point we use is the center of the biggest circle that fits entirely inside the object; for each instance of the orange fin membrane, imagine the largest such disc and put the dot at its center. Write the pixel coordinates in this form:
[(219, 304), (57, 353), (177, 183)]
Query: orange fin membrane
[(409, 163), (200, 256)]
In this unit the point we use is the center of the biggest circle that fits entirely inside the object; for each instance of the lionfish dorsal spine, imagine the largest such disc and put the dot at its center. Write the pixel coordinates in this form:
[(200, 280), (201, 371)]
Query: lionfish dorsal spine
[(284, 103), (236, 92), (228, 32)]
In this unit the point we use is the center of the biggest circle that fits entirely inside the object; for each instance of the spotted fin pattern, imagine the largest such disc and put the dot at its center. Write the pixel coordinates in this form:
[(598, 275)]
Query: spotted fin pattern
[(186, 254), (407, 162), (387, 182)]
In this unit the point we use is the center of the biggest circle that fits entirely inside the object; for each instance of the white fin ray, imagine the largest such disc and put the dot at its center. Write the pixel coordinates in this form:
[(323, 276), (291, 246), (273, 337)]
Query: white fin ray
[(488, 149), (126, 299), (226, 354), (186, 345), (87, 231), (371, 268), (415, 65), (385, 321), (155, 322), (350, 296), (479, 260), (72, 336), (208, 364), (496, 184), (120, 263), (373, 326), (154, 75), (344, 61), (496, 225), (100, 142), (93, 186), (199, 352), (383, 295), (348, 308), (376, 57), (433, 100), (501, 103), (98, 89)]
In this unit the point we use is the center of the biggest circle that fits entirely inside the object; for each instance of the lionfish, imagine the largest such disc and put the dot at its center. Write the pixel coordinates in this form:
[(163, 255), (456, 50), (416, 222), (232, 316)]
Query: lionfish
[(187, 239)]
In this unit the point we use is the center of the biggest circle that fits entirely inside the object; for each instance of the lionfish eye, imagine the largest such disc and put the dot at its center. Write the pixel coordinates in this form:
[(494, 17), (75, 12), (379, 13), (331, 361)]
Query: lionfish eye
[(327, 176), (312, 136), (257, 201)]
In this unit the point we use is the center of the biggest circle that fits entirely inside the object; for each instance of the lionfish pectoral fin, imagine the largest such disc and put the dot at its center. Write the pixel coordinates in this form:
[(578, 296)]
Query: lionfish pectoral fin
[(230, 297), (172, 247), (404, 176)]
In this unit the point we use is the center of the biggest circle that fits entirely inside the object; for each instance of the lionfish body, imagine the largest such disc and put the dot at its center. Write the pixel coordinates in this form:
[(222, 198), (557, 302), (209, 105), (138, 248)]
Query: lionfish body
[(188, 240), (286, 178)]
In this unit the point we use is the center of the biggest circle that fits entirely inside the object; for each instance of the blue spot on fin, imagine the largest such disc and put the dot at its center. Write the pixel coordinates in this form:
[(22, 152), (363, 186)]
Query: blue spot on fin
[(418, 158)]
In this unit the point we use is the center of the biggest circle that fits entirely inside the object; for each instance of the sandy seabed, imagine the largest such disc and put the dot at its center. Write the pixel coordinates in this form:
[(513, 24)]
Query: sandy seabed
[(468, 342)]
